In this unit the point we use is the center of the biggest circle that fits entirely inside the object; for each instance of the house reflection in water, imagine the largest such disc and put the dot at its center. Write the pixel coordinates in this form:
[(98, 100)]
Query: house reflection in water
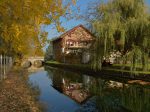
[(77, 87), (67, 83), (109, 96), (75, 90)]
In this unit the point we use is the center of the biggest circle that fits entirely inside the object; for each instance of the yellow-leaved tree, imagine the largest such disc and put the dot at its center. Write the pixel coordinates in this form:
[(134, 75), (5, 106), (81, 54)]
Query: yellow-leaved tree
[(21, 21)]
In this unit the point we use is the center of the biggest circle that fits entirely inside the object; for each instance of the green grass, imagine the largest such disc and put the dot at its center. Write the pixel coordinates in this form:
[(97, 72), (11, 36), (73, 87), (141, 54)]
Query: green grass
[(127, 71), (128, 65), (53, 62), (77, 65), (118, 67), (114, 68)]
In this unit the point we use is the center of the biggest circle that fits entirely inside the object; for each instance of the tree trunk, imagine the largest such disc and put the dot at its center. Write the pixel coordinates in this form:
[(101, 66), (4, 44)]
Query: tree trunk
[(144, 62)]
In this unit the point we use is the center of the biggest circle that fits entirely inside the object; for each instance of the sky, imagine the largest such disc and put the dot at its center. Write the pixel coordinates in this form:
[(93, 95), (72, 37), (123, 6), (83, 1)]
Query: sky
[(68, 24), (83, 4)]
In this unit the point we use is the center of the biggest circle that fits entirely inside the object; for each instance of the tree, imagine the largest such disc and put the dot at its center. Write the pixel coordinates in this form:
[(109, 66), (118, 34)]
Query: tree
[(122, 25), (21, 21), (49, 52)]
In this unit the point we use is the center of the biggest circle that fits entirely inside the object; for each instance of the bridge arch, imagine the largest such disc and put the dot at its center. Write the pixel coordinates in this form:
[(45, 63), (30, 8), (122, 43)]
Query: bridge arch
[(34, 61)]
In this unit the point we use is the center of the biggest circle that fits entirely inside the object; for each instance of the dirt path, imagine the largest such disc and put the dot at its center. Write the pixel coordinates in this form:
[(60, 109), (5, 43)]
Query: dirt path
[(16, 94)]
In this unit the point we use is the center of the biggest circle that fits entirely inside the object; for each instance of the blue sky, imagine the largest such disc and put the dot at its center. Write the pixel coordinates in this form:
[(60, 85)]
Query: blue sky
[(83, 4), (148, 2), (68, 24)]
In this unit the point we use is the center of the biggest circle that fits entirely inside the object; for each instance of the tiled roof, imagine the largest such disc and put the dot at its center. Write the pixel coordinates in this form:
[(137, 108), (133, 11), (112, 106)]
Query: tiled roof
[(71, 30)]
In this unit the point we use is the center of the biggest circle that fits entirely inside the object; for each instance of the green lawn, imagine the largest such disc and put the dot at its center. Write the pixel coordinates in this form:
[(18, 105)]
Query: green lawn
[(128, 65), (113, 68)]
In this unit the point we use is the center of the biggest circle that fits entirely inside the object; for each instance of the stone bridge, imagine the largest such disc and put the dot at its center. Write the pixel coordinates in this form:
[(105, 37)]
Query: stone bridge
[(35, 61)]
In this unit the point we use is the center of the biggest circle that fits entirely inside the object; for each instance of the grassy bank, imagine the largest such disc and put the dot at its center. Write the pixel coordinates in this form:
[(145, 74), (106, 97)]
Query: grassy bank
[(16, 95), (114, 71)]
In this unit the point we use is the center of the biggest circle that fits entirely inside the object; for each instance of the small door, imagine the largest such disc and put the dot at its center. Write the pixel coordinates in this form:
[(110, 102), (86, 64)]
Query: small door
[(85, 57)]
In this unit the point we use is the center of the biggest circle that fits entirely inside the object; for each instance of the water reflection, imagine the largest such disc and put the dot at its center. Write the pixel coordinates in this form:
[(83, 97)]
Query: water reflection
[(108, 96), (136, 98), (53, 100), (70, 84), (33, 69), (121, 98)]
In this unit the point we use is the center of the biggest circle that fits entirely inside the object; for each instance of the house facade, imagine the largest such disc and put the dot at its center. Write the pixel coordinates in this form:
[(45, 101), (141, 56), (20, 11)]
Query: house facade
[(73, 46)]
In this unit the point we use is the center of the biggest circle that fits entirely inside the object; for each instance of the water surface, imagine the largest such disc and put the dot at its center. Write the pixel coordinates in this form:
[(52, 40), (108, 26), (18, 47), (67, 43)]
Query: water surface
[(64, 91), (52, 98)]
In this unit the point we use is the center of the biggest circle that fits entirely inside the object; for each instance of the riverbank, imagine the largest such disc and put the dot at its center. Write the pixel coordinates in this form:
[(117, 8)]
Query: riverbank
[(16, 95), (108, 72)]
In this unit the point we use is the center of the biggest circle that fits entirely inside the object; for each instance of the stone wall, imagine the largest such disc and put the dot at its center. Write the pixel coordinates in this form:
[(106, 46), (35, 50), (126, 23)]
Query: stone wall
[(57, 50), (73, 59)]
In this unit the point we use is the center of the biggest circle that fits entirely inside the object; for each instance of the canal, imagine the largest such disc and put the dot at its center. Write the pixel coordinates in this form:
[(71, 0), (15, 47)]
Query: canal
[(65, 91)]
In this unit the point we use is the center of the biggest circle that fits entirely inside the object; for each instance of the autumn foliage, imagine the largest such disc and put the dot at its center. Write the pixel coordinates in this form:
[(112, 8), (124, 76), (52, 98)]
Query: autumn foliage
[(21, 22)]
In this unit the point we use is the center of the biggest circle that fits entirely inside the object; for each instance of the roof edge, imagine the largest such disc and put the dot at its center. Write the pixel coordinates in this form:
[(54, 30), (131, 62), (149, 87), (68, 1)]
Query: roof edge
[(64, 34)]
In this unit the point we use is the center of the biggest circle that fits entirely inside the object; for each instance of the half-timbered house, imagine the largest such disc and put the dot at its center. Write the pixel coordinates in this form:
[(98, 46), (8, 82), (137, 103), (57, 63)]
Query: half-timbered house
[(73, 46)]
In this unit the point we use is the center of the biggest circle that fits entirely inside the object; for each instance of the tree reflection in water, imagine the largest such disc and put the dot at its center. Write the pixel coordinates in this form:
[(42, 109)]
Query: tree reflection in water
[(111, 96), (121, 98), (70, 84)]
